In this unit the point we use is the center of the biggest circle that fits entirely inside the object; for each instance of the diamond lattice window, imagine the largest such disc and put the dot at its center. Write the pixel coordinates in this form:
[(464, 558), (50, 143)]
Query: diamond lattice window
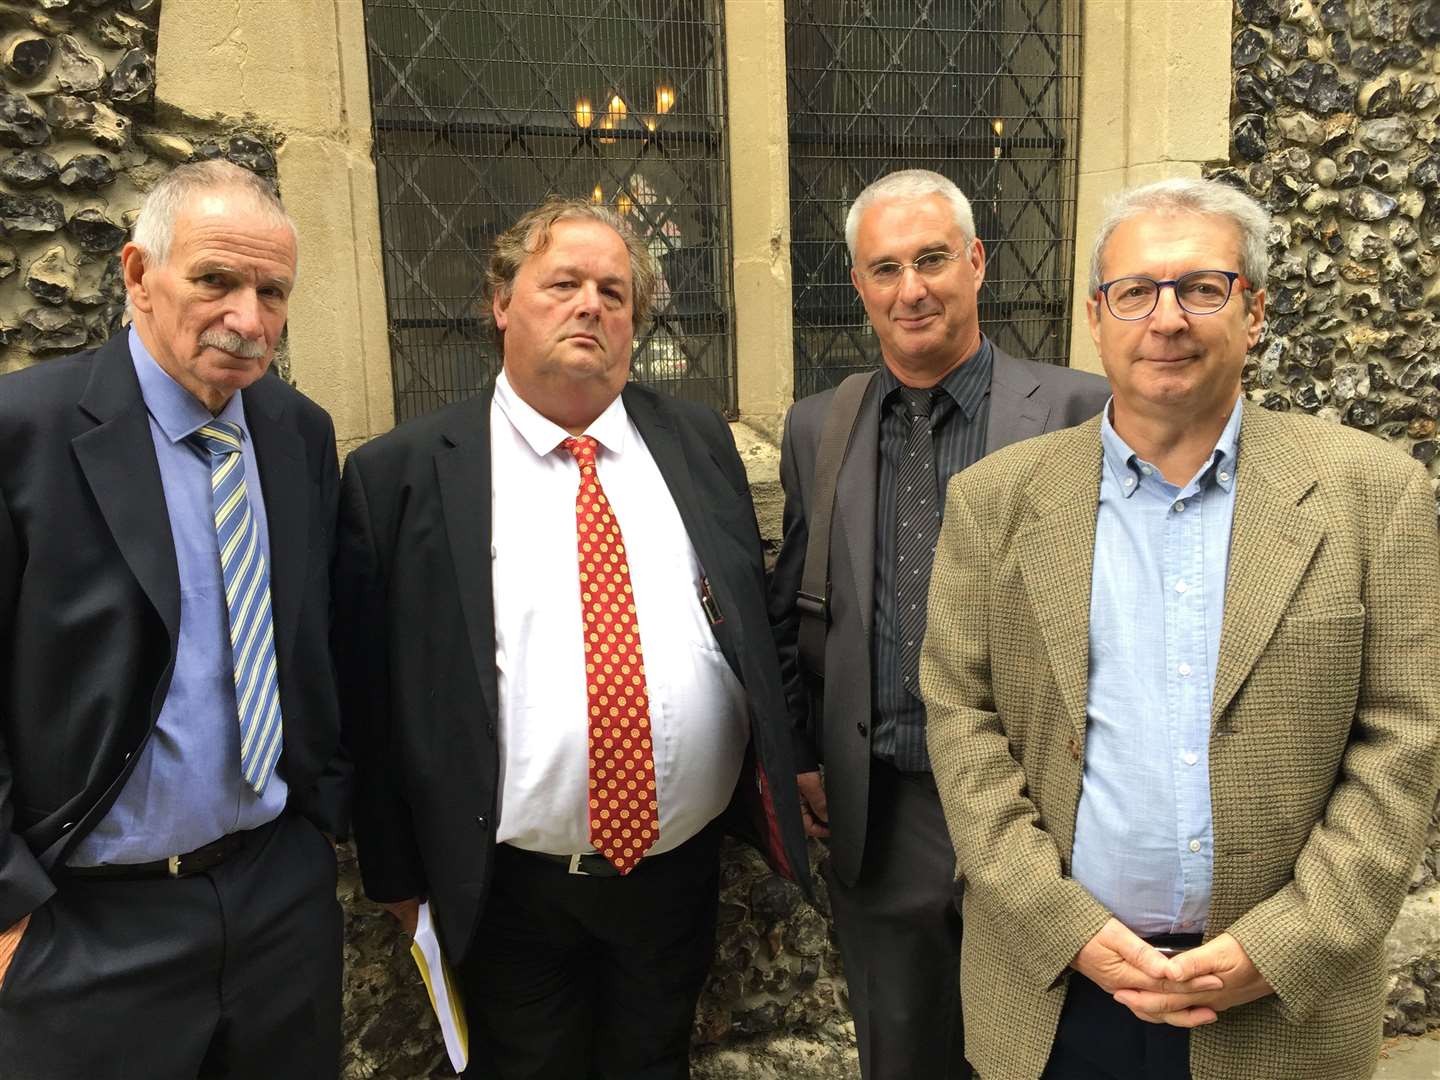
[(481, 108), (984, 91)]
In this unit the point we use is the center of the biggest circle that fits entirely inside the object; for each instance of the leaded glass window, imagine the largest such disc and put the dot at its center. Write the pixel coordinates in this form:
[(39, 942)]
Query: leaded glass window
[(482, 107), (985, 92)]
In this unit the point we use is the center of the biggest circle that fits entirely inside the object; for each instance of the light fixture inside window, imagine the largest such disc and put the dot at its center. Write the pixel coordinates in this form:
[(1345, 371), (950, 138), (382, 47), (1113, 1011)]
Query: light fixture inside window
[(623, 204), (664, 98), (618, 108), (598, 195), (584, 112)]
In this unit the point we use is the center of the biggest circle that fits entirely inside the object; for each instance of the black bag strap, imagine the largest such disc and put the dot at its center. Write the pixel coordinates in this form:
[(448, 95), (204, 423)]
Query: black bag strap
[(813, 600)]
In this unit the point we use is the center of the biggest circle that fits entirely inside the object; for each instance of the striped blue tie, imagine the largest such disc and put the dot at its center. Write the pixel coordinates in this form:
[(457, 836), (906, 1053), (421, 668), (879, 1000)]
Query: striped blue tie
[(247, 596)]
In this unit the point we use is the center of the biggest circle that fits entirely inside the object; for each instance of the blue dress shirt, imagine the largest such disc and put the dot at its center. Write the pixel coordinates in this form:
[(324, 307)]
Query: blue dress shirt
[(186, 789), (1143, 836)]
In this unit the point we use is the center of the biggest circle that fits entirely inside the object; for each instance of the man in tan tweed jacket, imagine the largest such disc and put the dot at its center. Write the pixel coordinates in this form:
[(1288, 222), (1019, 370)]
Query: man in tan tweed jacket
[(1289, 749)]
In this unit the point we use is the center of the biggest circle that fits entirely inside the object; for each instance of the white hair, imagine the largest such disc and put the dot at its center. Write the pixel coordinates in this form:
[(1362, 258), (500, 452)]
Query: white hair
[(1208, 198), (910, 184), (155, 225)]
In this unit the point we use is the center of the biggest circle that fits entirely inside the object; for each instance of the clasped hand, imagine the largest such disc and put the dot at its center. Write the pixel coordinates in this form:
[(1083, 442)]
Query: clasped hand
[(1187, 990)]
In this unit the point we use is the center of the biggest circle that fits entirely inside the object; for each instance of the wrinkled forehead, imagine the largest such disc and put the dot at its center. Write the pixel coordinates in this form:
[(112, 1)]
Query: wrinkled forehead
[(900, 226)]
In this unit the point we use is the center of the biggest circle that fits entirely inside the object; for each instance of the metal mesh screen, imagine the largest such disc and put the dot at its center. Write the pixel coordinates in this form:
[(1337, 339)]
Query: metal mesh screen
[(985, 92), (482, 107)]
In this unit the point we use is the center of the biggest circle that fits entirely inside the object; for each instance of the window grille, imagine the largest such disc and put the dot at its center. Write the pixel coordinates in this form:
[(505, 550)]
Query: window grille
[(483, 107), (985, 92)]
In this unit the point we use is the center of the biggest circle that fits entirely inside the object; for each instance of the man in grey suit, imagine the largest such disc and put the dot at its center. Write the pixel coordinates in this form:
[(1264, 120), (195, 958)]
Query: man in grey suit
[(944, 397)]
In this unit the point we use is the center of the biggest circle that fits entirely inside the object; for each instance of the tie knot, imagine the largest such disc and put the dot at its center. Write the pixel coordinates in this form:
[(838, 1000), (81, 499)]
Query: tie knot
[(582, 447), (917, 401), (218, 437)]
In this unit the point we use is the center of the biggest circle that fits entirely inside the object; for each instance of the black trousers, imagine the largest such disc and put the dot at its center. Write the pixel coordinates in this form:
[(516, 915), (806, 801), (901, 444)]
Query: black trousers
[(1100, 1039), (574, 977), (899, 930), (232, 973)]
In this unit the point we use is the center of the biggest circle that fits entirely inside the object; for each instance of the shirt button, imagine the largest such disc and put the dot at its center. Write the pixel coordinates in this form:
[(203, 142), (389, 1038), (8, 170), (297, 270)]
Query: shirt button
[(1183, 669), (1146, 469), (1179, 507), (1180, 586), (861, 728), (1224, 477), (1194, 845), (1129, 481), (1190, 757)]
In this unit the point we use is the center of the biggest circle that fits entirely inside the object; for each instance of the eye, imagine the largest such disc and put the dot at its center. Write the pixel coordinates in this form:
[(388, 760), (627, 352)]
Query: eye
[(563, 284), (886, 271), (931, 261), (1136, 290), (212, 279), (613, 297)]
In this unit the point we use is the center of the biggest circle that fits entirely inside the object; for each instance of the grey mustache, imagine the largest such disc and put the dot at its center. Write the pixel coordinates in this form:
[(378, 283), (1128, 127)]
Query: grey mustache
[(233, 343)]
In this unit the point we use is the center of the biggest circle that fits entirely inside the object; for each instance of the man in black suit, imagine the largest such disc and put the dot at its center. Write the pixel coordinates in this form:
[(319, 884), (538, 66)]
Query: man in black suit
[(943, 397), (558, 672), (168, 893)]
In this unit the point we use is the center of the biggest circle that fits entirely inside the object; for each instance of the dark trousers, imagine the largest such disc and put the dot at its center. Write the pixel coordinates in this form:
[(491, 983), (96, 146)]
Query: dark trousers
[(1100, 1039), (573, 977), (899, 930), (232, 973)]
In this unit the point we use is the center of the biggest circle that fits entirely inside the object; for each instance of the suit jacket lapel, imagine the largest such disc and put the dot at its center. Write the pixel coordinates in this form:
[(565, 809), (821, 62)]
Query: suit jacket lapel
[(462, 470), (285, 481), (118, 460), (853, 525), (1056, 551), (1016, 410), (682, 478), (1272, 541)]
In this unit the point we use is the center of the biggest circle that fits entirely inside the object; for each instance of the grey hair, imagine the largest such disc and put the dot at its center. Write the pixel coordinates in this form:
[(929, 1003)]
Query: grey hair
[(155, 225), (1209, 198), (911, 184)]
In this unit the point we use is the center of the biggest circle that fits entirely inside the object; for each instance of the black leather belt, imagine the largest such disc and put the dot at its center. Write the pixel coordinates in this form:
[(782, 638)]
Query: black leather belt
[(591, 865), (194, 862), (1175, 943)]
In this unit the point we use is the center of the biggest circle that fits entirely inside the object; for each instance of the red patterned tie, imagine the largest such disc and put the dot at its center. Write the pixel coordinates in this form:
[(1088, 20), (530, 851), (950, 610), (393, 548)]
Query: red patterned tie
[(624, 813)]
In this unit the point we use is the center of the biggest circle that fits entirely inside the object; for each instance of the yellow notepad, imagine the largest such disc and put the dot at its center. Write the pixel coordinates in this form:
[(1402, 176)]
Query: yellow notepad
[(444, 995)]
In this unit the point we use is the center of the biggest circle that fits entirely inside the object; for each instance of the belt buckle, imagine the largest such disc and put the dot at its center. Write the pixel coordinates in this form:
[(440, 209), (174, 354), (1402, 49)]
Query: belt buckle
[(172, 866), (575, 866)]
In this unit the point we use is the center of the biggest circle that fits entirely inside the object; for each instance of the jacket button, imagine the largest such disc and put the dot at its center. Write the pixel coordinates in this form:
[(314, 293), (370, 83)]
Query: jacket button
[(490, 728), (861, 728), (483, 822), (67, 826)]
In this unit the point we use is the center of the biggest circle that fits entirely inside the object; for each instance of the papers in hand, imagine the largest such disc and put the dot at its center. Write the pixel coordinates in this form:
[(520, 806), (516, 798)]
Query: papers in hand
[(444, 995)]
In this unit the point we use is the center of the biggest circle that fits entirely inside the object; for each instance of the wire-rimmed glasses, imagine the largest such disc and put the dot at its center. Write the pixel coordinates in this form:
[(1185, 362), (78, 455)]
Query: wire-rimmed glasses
[(930, 265)]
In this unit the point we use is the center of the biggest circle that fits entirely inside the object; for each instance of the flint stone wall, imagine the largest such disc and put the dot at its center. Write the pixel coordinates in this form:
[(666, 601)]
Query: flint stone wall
[(1335, 110), (1334, 114)]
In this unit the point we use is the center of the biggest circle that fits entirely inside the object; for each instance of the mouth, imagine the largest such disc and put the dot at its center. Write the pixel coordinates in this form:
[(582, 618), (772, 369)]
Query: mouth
[(915, 322), (1170, 359), (584, 339)]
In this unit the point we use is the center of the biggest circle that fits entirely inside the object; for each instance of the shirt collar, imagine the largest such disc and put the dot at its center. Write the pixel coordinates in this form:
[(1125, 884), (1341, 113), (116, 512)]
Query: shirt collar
[(178, 412), (966, 384), (543, 435), (1128, 468)]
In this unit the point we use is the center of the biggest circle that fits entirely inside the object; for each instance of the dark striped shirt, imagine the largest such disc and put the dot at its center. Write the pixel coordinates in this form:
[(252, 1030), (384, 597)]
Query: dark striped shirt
[(958, 421)]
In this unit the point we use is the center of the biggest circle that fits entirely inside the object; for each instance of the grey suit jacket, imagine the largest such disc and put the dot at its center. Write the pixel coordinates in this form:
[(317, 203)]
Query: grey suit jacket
[(832, 723)]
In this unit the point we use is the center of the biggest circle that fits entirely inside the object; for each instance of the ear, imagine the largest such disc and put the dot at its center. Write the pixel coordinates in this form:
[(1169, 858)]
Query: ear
[(977, 262), (855, 281), (498, 308), (1255, 318), (132, 264), (1092, 315)]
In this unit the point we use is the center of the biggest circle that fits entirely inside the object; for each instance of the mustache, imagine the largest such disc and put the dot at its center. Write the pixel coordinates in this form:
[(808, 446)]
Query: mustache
[(233, 343)]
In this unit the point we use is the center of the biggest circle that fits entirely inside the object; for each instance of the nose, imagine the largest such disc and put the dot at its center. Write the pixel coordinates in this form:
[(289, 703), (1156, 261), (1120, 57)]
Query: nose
[(587, 300), (912, 286), (243, 314), (1168, 317)]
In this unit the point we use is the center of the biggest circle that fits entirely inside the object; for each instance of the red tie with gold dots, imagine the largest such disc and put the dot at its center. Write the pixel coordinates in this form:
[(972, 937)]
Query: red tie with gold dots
[(624, 813)]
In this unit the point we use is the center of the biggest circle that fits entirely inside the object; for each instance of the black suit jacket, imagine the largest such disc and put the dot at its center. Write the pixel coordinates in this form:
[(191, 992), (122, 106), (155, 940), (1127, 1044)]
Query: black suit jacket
[(833, 723), (90, 601), (416, 646)]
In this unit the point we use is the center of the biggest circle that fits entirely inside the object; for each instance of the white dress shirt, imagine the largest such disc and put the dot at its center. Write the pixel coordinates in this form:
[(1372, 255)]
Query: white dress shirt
[(698, 717)]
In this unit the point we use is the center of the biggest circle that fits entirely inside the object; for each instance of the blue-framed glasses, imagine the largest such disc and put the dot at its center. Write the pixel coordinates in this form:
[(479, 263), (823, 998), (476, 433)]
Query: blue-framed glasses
[(1200, 292)]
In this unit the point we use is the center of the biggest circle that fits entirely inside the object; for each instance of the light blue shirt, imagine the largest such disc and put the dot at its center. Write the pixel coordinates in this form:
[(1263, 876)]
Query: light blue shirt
[(186, 789), (1144, 843)]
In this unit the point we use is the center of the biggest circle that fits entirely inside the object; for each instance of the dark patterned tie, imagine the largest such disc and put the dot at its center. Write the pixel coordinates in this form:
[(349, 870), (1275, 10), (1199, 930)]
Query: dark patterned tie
[(917, 528)]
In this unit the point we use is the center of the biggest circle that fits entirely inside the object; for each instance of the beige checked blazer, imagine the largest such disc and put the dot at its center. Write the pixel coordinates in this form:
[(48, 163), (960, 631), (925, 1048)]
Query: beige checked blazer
[(1324, 743)]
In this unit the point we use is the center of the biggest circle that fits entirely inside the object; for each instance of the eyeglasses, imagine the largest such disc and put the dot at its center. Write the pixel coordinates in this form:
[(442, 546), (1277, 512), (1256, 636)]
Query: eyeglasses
[(930, 265), (1200, 292)]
